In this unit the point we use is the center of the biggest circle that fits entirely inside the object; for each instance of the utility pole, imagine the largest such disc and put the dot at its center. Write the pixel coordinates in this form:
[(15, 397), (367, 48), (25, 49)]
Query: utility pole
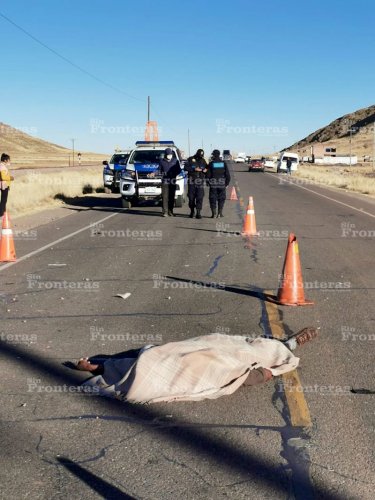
[(189, 142), (73, 149)]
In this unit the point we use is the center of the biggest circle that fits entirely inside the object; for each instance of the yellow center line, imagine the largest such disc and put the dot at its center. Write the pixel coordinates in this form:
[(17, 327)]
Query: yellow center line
[(297, 404)]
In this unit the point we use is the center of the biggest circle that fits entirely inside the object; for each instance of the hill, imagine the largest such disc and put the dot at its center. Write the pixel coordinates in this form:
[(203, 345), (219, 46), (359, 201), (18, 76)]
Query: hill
[(27, 150), (337, 134)]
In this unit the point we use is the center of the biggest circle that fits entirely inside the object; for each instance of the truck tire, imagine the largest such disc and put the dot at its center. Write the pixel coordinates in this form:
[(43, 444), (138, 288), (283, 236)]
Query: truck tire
[(126, 203), (178, 201)]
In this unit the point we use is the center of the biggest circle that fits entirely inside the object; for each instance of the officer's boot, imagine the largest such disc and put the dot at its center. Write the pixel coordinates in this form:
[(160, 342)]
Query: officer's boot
[(191, 213), (213, 211), (199, 214)]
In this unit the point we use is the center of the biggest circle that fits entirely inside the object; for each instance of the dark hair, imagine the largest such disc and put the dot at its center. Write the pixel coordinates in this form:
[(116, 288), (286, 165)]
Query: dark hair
[(5, 157)]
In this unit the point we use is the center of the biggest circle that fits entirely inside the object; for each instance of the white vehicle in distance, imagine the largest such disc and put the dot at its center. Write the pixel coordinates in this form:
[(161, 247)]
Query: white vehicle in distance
[(241, 158), (281, 164), (141, 180), (269, 163)]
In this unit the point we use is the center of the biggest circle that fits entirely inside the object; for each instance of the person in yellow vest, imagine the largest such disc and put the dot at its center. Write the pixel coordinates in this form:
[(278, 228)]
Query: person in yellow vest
[(5, 180)]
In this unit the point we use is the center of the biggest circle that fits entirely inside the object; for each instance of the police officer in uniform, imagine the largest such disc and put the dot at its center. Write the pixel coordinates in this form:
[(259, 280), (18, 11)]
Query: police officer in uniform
[(169, 167), (218, 179), (196, 168)]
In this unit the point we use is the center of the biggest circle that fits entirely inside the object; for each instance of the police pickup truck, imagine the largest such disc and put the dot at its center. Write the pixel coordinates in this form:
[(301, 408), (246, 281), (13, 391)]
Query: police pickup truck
[(112, 170), (140, 179)]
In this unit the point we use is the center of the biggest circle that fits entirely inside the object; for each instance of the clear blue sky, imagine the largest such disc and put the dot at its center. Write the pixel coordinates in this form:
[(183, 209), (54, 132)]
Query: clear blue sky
[(291, 66)]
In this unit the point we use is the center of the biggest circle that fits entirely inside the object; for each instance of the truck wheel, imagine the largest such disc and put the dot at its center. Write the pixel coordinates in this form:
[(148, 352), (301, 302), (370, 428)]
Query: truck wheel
[(115, 189), (125, 203), (178, 201)]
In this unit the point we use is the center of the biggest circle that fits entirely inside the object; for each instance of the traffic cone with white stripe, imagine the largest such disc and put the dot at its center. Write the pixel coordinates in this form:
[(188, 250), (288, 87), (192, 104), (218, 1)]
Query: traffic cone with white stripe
[(249, 224), (233, 194), (7, 251)]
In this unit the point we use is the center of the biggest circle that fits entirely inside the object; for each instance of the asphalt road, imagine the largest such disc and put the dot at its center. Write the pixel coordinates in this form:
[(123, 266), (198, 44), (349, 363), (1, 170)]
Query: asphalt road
[(310, 437)]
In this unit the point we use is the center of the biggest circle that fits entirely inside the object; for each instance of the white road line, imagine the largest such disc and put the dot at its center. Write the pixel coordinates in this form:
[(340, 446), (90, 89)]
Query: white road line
[(324, 196), (35, 252)]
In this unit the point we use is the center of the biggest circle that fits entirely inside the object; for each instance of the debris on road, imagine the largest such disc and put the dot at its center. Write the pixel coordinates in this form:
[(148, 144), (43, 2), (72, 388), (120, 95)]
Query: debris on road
[(123, 295)]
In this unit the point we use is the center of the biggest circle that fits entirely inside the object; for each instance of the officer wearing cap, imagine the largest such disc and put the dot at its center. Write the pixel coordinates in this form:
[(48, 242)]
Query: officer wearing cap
[(169, 168), (218, 179), (196, 167)]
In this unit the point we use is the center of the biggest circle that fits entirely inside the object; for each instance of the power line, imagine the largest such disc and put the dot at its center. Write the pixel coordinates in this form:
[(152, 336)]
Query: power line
[(76, 66)]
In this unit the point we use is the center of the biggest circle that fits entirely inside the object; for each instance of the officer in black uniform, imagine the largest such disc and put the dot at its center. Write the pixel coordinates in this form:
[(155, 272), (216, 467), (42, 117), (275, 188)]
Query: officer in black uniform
[(218, 179), (196, 167), (169, 168)]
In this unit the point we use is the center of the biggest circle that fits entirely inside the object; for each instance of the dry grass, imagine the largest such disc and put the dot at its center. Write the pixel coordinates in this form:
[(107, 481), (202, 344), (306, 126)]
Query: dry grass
[(358, 179), (36, 191)]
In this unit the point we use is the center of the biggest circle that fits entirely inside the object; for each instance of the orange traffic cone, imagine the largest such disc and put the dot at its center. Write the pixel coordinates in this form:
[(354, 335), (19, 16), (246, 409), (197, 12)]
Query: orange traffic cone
[(249, 224), (233, 194), (7, 252), (291, 292)]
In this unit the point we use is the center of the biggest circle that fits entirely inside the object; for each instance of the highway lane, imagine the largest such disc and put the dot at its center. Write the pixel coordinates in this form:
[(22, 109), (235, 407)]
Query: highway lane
[(240, 446)]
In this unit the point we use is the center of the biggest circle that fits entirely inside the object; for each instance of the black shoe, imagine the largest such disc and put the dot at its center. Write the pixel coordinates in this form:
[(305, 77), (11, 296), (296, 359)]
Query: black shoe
[(171, 214), (213, 214), (191, 214), (199, 214), (220, 214)]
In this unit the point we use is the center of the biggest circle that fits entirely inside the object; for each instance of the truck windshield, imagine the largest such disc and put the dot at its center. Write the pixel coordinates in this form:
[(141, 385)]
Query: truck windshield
[(291, 158), (148, 157), (119, 159)]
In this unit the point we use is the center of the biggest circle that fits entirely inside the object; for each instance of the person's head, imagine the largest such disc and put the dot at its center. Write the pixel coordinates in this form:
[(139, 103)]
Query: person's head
[(199, 153), (216, 154), (168, 154), (5, 158)]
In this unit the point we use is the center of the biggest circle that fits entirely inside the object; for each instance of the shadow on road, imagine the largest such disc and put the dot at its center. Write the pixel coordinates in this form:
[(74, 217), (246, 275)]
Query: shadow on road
[(105, 489), (266, 297), (218, 231), (110, 204)]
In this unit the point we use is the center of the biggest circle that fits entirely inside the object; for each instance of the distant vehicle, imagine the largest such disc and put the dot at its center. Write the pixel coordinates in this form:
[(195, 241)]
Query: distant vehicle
[(281, 164), (269, 163), (239, 159), (256, 165), (227, 155), (112, 170), (141, 179)]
